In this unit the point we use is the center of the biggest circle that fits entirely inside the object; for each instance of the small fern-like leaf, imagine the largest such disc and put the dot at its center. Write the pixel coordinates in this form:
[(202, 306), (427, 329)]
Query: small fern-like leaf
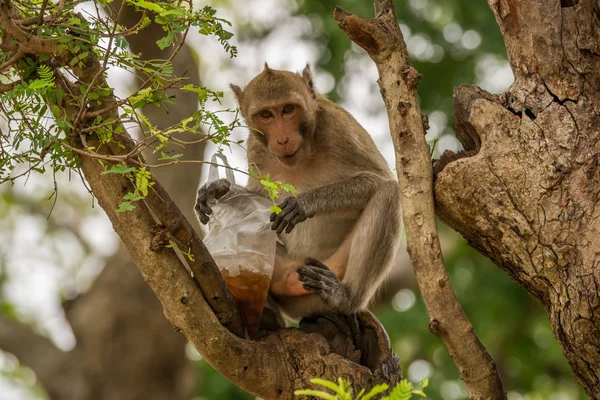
[(402, 391), (45, 73), (142, 180), (374, 392), (338, 389), (315, 393), (46, 78)]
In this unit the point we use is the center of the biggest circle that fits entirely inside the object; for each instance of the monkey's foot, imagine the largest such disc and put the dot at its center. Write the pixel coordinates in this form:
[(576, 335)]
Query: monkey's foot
[(319, 279), (358, 337), (271, 320)]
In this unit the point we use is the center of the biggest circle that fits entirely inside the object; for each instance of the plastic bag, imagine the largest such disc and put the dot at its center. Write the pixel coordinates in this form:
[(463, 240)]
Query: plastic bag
[(242, 244)]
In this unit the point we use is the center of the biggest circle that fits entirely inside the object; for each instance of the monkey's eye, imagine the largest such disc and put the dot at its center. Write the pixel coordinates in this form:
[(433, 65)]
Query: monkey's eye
[(265, 114), (288, 109)]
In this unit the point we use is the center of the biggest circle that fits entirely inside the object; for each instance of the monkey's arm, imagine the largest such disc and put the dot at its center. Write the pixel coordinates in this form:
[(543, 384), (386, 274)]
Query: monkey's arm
[(347, 280), (349, 196)]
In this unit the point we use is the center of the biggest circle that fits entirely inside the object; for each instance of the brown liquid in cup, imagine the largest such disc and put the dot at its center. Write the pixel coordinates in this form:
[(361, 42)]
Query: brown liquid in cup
[(250, 290)]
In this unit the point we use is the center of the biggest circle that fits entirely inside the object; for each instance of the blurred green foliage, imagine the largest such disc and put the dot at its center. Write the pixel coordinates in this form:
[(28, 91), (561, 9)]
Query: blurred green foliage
[(511, 323), (427, 19)]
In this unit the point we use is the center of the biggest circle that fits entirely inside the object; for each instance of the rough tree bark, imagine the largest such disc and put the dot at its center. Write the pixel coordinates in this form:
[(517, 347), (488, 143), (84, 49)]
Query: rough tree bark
[(119, 319), (525, 190), (383, 41), (201, 306)]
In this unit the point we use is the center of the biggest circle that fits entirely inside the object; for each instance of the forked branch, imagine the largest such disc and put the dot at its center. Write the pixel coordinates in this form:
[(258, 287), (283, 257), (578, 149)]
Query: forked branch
[(382, 39), (204, 310)]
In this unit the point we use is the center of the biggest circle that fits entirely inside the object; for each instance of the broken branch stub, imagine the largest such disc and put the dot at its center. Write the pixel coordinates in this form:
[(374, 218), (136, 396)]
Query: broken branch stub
[(382, 39), (272, 368), (525, 190)]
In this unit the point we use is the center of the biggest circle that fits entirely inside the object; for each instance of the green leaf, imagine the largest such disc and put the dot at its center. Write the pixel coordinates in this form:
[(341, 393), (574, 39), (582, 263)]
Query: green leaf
[(59, 95), (125, 207), (289, 188), (148, 5), (202, 92), (132, 197), (374, 391), (315, 393), (339, 389), (402, 391), (175, 11), (164, 156), (275, 209), (142, 180), (164, 42), (39, 83), (142, 95), (119, 169)]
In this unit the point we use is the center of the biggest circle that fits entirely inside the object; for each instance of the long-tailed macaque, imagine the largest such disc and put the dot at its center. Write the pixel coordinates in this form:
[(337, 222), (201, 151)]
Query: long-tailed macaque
[(339, 234)]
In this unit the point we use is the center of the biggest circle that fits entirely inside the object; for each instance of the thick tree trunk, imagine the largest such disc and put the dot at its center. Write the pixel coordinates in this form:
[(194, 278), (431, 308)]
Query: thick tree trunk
[(131, 350), (126, 349), (525, 191), (382, 39), (200, 306)]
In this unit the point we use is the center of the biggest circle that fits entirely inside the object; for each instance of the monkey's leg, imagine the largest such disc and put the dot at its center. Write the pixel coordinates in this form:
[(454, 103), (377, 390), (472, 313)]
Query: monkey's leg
[(372, 246), (285, 280)]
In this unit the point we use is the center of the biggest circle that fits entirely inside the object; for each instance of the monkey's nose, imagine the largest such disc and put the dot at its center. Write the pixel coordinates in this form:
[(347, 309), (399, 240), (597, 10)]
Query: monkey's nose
[(282, 140)]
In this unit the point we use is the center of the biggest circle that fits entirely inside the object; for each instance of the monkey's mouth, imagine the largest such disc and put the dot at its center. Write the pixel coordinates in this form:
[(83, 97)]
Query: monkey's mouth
[(292, 154), (289, 159)]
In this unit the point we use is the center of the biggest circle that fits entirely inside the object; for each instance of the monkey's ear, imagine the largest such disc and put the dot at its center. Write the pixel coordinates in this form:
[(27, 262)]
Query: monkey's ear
[(267, 70), (238, 92), (307, 76)]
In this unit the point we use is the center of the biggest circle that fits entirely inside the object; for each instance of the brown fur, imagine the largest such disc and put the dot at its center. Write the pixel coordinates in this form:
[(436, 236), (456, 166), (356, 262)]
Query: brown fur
[(349, 195)]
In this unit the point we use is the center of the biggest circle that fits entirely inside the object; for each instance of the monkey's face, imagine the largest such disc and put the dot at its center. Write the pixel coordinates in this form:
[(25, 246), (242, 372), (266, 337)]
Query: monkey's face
[(281, 125), (281, 107)]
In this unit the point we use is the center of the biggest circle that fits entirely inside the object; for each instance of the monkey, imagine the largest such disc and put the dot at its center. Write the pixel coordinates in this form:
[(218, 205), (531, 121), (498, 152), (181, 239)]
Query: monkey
[(337, 237)]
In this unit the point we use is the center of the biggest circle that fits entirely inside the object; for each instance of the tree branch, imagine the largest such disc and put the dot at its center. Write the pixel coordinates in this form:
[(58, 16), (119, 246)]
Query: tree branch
[(15, 57), (7, 87), (383, 41), (248, 364), (272, 368), (525, 190), (27, 43)]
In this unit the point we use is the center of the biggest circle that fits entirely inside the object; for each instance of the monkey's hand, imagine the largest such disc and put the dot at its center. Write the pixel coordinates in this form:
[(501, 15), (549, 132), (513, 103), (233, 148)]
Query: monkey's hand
[(293, 211), (210, 191), (319, 279)]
